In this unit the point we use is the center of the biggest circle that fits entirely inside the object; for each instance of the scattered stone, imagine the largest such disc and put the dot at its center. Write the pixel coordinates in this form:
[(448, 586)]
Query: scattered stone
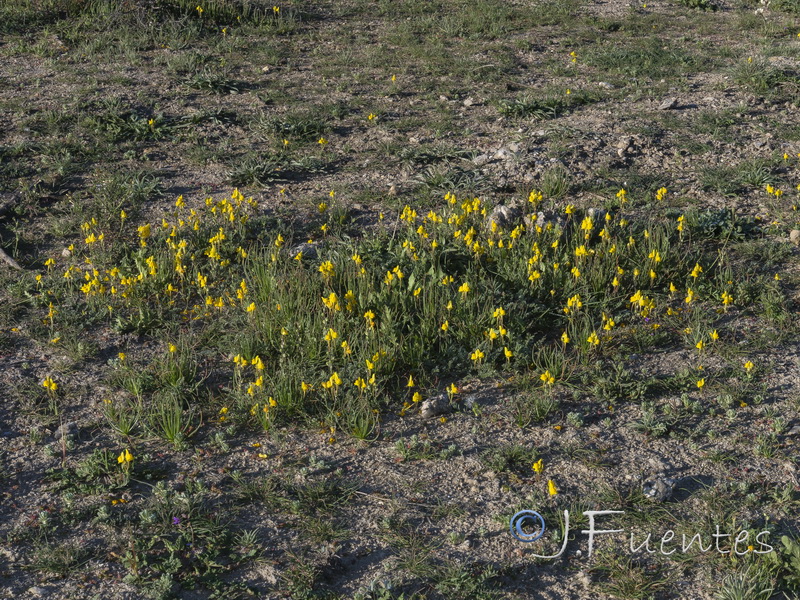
[(668, 104), (585, 579), (309, 250), (469, 102), (624, 145), (504, 154), (606, 85), (67, 429), (503, 215), (624, 142), (66, 253), (794, 430), (470, 401), (433, 407), (481, 160), (659, 489), (393, 190), (596, 214), (38, 592), (794, 236), (543, 218)]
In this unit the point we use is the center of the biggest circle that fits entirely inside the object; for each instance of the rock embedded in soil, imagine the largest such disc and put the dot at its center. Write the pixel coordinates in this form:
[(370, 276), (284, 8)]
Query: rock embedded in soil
[(659, 489), (67, 429), (794, 236), (668, 104), (433, 407), (503, 215), (309, 250)]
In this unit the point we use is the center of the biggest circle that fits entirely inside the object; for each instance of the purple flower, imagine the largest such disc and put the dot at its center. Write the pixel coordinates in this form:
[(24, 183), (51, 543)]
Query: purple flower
[(176, 520)]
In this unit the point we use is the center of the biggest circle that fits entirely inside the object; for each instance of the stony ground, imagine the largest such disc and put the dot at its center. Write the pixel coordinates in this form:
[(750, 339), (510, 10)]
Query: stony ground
[(113, 106)]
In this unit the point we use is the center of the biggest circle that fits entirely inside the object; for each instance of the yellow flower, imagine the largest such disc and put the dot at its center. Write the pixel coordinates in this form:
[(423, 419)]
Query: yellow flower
[(701, 383), (593, 339), (726, 299), (748, 366), (699, 345), (696, 271), (508, 353), (331, 302), (122, 355), (331, 335), (464, 288), (172, 348), (445, 326), (50, 384), (326, 268), (410, 381), (477, 355), (547, 378), (551, 488), (714, 335), (565, 338), (125, 457), (538, 466), (144, 233), (416, 397), (499, 312)]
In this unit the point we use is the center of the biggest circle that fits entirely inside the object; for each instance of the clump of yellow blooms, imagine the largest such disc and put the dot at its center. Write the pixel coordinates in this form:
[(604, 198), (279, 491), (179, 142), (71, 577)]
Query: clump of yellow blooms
[(451, 280)]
